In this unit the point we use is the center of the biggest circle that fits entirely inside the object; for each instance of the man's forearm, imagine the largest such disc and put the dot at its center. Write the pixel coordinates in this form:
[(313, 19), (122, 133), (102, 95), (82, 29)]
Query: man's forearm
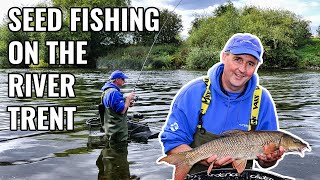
[(180, 148), (126, 106)]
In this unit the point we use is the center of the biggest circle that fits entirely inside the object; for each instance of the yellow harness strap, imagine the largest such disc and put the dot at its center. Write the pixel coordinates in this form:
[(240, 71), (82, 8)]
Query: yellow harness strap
[(206, 99), (256, 99), (104, 92)]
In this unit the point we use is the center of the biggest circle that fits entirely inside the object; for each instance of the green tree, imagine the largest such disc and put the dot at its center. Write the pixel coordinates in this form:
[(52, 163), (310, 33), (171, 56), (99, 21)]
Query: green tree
[(223, 9), (4, 40), (281, 32), (213, 31), (169, 33), (197, 21), (6, 37), (98, 42), (96, 46)]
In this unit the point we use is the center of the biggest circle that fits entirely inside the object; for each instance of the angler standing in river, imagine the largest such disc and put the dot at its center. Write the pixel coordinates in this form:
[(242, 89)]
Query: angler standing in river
[(229, 98), (115, 108)]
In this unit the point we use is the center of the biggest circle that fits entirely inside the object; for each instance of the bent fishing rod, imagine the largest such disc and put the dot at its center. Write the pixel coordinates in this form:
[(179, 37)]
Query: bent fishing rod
[(154, 41)]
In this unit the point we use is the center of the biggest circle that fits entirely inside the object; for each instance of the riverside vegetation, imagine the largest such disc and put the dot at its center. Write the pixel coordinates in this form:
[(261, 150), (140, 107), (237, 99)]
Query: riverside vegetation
[(286, 37)]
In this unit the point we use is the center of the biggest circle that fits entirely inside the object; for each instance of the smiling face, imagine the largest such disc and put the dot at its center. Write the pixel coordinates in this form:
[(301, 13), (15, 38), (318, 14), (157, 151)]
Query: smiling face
[(238, 69)]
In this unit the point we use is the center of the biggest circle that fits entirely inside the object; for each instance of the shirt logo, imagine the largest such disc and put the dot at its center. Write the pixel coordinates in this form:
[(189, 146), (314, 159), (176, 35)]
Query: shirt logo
[(174, 126), (244, 125)]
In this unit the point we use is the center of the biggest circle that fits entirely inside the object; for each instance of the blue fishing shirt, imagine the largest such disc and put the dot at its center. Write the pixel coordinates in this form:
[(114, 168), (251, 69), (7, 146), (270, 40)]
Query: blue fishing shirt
[(113, 98), (224, 112)]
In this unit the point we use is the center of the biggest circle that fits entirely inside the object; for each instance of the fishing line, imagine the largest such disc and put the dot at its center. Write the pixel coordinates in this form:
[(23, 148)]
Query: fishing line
[(155, 38)]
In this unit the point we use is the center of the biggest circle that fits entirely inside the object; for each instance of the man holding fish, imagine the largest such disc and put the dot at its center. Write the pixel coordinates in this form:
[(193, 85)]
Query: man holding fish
[(229, 98)]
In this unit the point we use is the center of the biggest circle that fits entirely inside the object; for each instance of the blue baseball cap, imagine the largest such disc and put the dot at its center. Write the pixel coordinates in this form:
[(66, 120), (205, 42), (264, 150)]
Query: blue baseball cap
[(245, 43), (117, 74)]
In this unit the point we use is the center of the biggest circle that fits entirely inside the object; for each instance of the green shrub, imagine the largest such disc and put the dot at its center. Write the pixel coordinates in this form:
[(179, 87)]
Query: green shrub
[(4, 63), (281, 58), (165, 49), (42, 64), (104, 62), (309, 55), (161, 62), (161, 57), (281, 33), (202, 58)]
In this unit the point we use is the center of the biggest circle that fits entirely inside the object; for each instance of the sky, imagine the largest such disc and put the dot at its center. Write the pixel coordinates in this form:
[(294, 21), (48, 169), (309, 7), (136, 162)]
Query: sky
[(307, 9)]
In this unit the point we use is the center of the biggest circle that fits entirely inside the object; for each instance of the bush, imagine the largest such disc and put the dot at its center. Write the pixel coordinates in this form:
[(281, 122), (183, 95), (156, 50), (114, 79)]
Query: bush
[(161, 56), (281, 58), (165, 49), (309, 55), (42, 64), (105, 62), (280, 32), (202, 58), (4, 63)]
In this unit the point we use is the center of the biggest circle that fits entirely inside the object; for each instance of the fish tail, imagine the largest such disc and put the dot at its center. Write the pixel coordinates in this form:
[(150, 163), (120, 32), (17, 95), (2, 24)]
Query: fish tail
[(182, 166)]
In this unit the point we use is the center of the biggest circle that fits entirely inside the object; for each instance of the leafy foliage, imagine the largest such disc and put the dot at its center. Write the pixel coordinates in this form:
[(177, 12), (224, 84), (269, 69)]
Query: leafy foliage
[(284, 35), (201, 58), (169, 33), (132, 57), (281, 32), (99, 43), (96, 40), (310, 54)]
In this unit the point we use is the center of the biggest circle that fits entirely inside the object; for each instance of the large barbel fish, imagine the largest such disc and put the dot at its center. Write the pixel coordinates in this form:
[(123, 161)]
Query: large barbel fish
[(240, 145)]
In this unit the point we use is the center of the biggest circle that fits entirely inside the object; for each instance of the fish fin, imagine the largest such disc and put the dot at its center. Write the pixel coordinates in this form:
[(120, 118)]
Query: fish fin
[(271, 147), (239, 165), (210, 168), (182, 167), (231, 132)]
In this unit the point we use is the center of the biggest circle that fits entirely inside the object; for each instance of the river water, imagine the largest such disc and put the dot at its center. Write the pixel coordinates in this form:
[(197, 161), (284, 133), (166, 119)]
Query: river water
[(64, 155)]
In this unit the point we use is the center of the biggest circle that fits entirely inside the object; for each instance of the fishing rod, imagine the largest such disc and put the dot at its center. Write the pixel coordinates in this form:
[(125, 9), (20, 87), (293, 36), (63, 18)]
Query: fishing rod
[(135, 85), (149, 52), (155, 38)]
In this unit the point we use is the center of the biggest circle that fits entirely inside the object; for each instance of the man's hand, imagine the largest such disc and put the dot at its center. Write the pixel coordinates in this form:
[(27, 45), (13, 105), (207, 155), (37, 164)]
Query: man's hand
[(270, 158), (215, 162), (129, 102), (130, 98)]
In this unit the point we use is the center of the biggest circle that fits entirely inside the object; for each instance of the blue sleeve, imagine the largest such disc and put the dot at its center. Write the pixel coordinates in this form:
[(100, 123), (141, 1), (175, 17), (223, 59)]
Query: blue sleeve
[(176, 130), (182, 119), (114, 100), (268, 115)]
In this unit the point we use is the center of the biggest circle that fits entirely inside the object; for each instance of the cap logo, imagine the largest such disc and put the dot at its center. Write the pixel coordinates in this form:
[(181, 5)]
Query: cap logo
[(247, 41)]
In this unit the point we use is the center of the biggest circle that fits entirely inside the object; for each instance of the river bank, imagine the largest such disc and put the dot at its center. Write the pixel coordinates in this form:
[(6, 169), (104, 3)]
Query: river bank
[(65, 155), (176, 57)]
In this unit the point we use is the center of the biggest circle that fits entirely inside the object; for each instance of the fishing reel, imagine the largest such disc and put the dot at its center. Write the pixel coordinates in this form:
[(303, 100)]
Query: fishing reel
[(136, 98)]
